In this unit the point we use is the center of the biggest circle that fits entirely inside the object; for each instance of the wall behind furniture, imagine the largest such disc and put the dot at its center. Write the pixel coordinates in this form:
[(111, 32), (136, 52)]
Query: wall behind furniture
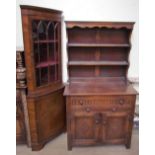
[(88, 10)]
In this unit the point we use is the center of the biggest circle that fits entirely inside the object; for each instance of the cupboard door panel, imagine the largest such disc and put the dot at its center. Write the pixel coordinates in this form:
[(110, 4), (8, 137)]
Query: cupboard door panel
[(50, 115), (85, 128), (117, 127)]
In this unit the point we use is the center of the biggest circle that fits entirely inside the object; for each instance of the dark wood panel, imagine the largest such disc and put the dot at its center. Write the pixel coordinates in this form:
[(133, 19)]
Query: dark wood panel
[(81, 54), (113, 71), (50, 111), (81, 71), (89, 71), (96, 35), (105, 54), (114, 54)]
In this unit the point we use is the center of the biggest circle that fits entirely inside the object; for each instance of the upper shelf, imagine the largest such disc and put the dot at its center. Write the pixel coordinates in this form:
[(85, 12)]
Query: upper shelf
[(96, 45), (97, 63), (89, 24), (46, 64)]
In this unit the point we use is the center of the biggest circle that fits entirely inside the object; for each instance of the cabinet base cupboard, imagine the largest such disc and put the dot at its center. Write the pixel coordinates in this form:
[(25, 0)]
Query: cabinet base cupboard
[(42, 47), (95, 118), (100, 101)]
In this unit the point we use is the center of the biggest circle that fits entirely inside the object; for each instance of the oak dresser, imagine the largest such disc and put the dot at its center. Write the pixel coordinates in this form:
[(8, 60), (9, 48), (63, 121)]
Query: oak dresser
[(100, 101)]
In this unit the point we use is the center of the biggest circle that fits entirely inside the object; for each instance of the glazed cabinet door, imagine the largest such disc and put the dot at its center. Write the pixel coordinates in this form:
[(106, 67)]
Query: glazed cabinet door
[(116, 127), (46, 51), (85, 128), (42, 45)]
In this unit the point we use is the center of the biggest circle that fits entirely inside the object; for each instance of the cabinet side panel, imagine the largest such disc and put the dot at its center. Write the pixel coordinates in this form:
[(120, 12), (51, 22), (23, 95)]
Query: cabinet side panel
[(50, 115), (28, 52)]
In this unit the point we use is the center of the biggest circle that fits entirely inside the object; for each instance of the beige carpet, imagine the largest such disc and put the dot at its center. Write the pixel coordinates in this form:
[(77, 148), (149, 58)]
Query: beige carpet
[(59, 147)]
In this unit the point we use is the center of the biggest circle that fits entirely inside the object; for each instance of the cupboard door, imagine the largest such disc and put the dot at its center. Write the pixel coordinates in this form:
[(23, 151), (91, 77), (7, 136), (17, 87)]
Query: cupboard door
[(85, 128), (115, 127), (46, 40)]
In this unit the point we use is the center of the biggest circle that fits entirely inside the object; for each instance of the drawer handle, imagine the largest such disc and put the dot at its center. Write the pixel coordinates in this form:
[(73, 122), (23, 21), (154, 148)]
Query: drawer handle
[(114, 109), (88, 109), (121, 102), (97, 121), (81, 102), (104, 122)]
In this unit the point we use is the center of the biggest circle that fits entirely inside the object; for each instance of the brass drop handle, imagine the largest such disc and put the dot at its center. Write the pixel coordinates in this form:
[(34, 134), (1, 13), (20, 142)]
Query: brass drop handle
[(88, 109), (121, 102), (97, 121), (81, 102), (114, 109), (98, 118), (104, 122)]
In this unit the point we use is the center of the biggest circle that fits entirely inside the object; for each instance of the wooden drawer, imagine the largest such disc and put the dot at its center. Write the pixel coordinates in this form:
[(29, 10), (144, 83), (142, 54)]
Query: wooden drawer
[(100, 103)]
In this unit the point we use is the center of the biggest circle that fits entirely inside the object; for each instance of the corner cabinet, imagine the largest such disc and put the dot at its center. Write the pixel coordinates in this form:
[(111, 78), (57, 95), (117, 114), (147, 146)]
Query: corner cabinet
[(42, 46)]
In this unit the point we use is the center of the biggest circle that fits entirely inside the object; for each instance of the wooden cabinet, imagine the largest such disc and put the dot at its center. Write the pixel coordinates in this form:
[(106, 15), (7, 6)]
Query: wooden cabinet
[(100, 127), (42, 46), (100, 119), (100, 101)]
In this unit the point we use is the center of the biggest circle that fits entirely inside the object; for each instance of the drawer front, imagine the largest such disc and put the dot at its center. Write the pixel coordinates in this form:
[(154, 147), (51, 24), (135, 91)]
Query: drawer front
[(101, 103)]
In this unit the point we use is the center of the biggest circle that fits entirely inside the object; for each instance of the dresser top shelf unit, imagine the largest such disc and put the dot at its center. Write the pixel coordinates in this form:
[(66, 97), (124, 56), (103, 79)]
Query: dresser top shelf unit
[(98, 49), (98, 95)]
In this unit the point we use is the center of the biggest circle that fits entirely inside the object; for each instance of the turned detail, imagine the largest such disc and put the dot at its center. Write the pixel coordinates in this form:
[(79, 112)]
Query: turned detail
[(20, 71)]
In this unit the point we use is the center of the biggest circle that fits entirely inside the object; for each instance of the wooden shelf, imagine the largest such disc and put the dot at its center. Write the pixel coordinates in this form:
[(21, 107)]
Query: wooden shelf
[(97, 63), (96, 45), (45, 41), (46, 64)]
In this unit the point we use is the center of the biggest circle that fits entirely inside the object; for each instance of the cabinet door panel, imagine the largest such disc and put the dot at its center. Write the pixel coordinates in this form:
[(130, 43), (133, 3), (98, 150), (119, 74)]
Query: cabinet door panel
[(46, 50), (50, 115), (85, 128), (116, 127)]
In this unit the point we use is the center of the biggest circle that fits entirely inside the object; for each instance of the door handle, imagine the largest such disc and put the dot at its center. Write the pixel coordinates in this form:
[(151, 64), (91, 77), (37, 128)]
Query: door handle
[(98, 118)]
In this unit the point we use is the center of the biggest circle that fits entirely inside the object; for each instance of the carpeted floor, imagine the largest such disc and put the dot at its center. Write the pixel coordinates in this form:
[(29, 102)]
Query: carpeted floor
[(59, 147)]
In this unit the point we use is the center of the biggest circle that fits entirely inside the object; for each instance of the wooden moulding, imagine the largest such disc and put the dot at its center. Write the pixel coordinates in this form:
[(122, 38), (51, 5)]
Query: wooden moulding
[(86, 24)]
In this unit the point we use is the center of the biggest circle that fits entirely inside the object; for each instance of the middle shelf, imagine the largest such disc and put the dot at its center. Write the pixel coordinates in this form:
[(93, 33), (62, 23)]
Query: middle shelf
[(97, 45), (46, 64), (96, 63)]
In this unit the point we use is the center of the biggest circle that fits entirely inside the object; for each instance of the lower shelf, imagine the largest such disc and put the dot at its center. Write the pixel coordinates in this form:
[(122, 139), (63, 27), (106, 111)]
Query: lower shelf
[(97, 63)]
